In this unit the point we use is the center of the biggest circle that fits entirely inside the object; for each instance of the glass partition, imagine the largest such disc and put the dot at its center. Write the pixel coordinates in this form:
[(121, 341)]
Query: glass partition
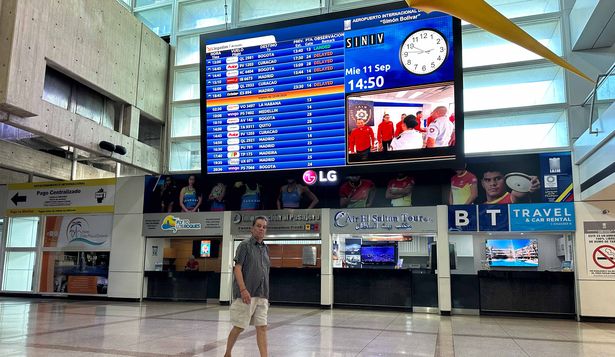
[(20, 254)]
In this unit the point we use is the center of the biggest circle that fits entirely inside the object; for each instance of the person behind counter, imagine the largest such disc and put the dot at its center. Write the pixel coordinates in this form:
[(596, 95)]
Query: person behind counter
[(191, 264)]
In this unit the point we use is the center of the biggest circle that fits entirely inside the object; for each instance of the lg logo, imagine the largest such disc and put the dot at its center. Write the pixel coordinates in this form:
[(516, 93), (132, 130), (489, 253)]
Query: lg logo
[(310, 177)]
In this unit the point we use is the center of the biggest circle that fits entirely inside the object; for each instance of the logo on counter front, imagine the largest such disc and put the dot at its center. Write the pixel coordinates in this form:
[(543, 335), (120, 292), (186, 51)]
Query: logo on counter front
[(175, 224)]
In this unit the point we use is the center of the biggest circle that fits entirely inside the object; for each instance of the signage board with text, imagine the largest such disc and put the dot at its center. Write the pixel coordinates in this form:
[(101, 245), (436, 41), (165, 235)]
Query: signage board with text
[(182, 224), (384, 220), (61, 197), (280, 222)]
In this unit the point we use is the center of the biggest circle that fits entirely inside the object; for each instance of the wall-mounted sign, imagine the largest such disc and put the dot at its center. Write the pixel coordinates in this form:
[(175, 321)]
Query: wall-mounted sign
[(493, 218), (311, 177), (280, 222), (62, 197), (541, 217), (600, 248), (182, 224), (384, 220), (78, 232), (463, 218)]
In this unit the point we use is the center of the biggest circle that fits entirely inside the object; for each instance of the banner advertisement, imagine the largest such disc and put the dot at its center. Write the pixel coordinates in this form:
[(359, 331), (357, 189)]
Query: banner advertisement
[(508, 179), (78, 232), (75, 272), (600, 249), (182, 224), (62, 197), (534, 217), (280, 222), (384, 220)]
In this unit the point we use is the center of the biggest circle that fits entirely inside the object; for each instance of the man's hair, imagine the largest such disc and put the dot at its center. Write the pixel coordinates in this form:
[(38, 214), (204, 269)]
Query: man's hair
[(419, 112), (410, 121), (257, 218), (492, 170), (385, 115)]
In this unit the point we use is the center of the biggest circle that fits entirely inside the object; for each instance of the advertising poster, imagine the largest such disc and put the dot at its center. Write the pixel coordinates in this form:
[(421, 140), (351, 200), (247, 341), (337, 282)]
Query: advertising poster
[(78, 232), (521, 179), (353, 252), (600, 249), (75, 272)]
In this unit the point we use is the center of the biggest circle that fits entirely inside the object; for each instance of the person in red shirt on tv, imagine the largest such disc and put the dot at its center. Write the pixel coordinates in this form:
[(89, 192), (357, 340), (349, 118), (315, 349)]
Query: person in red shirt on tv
[(357, 192), (361, 140), (385, 133), (419, 120), (398, 128)]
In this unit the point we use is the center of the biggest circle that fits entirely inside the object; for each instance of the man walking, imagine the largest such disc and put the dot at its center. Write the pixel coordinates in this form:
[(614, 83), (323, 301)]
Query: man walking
[(251, 287)]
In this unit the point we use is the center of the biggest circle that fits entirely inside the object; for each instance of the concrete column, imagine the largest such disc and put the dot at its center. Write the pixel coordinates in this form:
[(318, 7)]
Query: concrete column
[(326, 260), (130, 121), (444, 271), (226, 269)]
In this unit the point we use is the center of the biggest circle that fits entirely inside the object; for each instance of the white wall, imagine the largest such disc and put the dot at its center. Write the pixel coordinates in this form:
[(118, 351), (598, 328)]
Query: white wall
[(596, 296), (127, 246)]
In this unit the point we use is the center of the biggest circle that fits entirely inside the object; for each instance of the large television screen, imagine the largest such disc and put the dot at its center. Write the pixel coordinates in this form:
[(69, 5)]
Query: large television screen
[(512, 252), (337, 90), (378, 254)]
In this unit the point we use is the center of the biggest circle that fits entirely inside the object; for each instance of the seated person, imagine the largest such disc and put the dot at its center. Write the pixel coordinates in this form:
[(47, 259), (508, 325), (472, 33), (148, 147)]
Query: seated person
[(192, 264)]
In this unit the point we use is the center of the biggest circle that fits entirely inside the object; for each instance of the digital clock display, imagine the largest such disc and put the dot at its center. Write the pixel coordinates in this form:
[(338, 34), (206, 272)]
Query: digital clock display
[(316, 94)]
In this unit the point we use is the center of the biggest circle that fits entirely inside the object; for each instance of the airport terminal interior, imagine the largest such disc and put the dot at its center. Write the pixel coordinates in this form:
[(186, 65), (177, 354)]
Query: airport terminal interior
[(433, 185)]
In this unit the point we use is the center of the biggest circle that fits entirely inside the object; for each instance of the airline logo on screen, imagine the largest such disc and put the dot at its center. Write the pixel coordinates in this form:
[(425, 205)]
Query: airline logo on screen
[(311, 177), (175, 224)]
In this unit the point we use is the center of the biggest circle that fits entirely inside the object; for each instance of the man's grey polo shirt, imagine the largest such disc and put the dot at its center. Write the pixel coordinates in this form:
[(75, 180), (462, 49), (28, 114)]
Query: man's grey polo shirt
[(254, 260)]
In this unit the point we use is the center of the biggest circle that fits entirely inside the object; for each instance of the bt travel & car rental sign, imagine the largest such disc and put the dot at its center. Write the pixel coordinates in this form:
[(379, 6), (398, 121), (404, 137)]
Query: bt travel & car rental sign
[(541, 217)]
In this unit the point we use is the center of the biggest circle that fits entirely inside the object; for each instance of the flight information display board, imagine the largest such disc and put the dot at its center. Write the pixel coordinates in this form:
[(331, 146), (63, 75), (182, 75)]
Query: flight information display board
[(316, 95)]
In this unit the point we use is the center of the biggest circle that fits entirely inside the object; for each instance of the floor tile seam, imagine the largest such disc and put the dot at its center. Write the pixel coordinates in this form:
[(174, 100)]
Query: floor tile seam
[(219, 343), (112, 351), (107, 323), (377, 335), (532, 339), (366, 329)]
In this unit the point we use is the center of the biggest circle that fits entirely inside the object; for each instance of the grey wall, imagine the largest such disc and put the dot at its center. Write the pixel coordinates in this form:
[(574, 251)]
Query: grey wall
[(98, 43)]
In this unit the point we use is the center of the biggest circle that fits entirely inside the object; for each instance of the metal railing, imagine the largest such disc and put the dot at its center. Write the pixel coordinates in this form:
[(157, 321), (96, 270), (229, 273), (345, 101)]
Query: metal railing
[(593, 96)]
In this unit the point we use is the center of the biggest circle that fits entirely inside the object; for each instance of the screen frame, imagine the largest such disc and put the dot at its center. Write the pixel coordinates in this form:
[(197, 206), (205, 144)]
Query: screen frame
[(390, 244), (513, 266), (450, 157)]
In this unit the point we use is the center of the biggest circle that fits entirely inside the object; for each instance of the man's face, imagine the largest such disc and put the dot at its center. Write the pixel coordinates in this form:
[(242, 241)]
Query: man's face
[(493, 183), (419, 116), (360, 123), (259, 229), (387, 118)]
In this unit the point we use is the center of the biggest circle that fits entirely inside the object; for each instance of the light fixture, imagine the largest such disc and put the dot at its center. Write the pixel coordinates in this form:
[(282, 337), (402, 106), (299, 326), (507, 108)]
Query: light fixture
[(105, 145), (416, 95), (118, 149), (401, 94)]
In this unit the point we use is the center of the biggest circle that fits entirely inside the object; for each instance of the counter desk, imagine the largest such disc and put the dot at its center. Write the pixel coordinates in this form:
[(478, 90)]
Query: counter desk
[(533, 292), (182, 285)]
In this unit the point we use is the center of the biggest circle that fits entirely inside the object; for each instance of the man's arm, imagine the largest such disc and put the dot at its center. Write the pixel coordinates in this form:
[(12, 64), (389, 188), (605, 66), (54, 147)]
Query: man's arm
[(245, 295)]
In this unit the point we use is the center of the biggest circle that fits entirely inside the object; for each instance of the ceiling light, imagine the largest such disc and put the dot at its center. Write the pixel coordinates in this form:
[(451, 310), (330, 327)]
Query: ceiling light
[(401, 94), (415, 95)]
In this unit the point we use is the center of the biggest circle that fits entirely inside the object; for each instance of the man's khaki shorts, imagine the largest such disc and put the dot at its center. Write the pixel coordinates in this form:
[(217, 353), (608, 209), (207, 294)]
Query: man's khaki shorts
[(255, 313)]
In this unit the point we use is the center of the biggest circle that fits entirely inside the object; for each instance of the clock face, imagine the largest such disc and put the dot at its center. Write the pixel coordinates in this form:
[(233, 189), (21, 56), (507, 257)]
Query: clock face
[(423, 51)]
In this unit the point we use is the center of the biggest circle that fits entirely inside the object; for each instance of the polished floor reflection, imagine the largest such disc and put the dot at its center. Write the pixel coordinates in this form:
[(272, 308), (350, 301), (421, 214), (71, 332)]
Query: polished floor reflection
[(49, 327)]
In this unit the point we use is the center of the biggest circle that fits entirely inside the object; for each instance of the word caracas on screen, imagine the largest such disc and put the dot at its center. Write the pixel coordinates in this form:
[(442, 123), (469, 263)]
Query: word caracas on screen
[(330, 94)]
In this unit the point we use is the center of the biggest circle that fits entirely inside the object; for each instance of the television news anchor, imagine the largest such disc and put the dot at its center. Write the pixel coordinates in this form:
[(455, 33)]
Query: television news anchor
[(251, 287)]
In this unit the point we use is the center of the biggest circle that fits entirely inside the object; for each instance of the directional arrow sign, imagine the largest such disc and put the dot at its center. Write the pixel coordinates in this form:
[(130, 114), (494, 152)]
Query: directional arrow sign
[(17, 198)]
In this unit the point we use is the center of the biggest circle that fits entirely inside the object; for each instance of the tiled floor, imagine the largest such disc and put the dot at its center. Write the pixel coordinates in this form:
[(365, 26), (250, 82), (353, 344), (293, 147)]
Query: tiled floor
[(30, 327)]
